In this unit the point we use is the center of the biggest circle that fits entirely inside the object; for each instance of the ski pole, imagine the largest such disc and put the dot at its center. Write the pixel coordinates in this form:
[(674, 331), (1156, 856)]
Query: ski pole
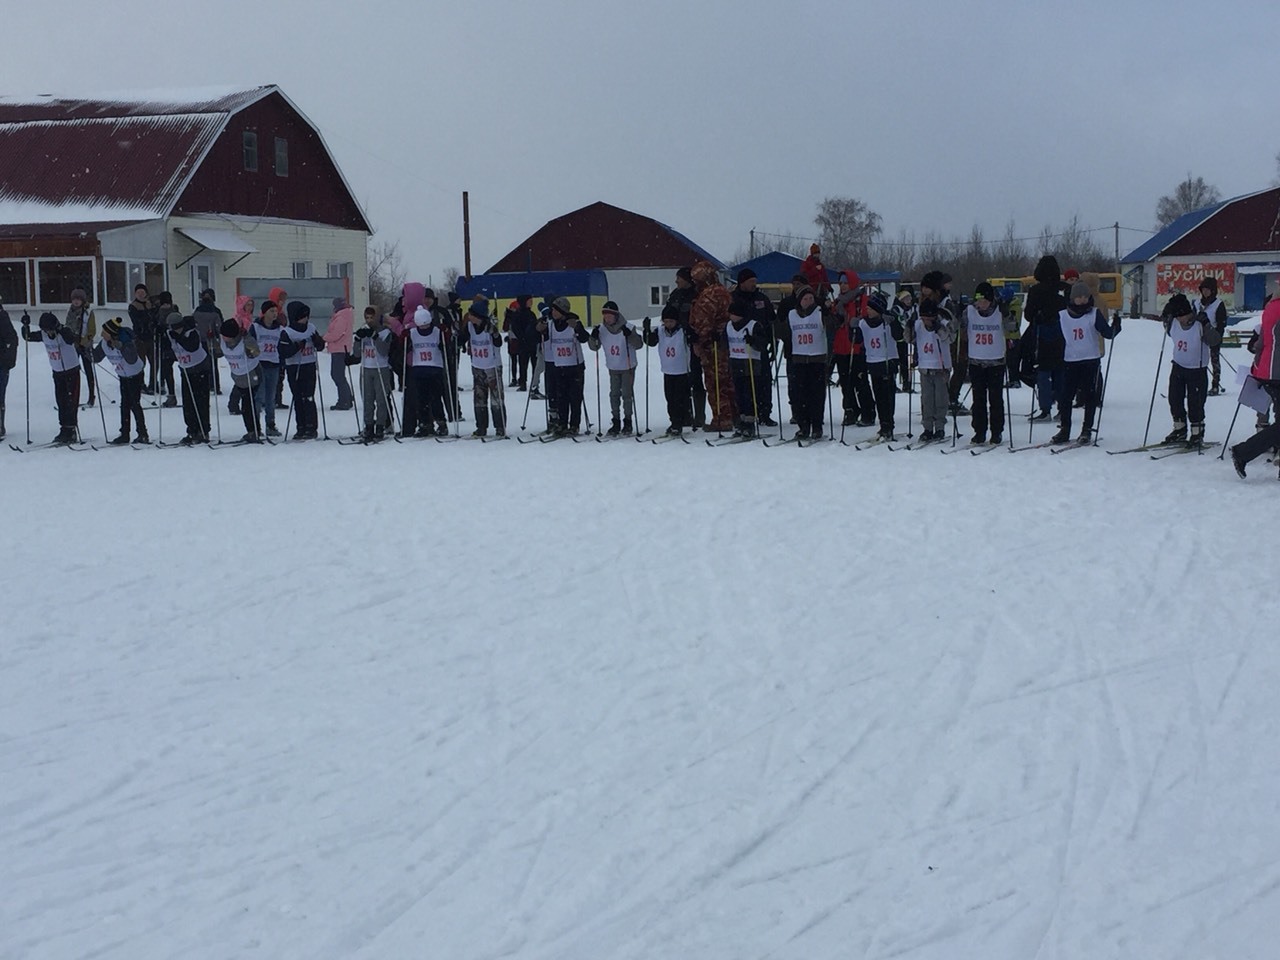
[(1102, 407), (755, 406), (1008, 410), (647, 352), (445, 350), (528, 395), (26, 367), (293, 394), (1154, 384), (599, 409), (715, 359), (911, 396), (93, 367), (777, 382), (213, 380), (320, 387), (355, 407), (1229, 429)]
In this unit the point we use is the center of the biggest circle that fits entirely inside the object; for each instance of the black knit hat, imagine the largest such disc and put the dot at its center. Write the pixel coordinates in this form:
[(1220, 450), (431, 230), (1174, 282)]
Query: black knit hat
[(48, 322), (984, 291), (229, 329), (112, 327), (684, 273), (745, 274), (1210, 284), (1179, 306), (670, 313), (610, 307)]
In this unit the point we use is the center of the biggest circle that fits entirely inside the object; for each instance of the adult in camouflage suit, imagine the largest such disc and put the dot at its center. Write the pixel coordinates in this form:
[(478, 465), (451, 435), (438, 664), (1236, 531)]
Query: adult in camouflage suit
[(707, 319)]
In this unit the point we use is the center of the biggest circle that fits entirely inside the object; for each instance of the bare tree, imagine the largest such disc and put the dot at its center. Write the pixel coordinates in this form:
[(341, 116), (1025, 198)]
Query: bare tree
[(847, 228), (449, 280), (386, 274), (1191, 194)]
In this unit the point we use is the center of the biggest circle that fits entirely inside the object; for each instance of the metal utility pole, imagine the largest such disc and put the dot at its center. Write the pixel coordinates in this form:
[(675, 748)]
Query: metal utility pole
[(466, 232)]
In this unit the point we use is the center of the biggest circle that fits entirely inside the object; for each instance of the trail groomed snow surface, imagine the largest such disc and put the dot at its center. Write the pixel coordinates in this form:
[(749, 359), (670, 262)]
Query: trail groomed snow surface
[(626, 701)]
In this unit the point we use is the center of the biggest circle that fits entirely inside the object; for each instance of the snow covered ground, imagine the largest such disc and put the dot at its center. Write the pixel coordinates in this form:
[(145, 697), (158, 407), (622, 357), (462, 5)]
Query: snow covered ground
[(625, 701)]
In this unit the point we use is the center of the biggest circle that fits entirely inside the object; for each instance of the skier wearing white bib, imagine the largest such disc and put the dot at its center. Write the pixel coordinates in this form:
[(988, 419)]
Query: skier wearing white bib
[(619, 341), (1080, 329), (1192, 335), (483, 343)]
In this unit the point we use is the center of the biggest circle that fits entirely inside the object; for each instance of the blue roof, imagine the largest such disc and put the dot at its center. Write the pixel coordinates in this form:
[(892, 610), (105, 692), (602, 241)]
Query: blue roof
[(1171, 234), (714, 261), (778, 267)]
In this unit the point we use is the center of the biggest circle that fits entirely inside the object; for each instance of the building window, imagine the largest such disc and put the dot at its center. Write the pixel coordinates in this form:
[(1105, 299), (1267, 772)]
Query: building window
[(250, 141), (340, 269), (55, 279), (13, 282), (302, 269), (658, 295), (121, 276), (282, 157)]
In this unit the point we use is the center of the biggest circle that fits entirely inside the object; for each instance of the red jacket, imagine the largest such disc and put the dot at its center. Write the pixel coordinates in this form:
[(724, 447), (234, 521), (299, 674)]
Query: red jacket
[(1267, 364)]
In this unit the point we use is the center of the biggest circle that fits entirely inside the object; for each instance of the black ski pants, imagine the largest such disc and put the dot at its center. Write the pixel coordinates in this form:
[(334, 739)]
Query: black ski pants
[(302, 387), (855, 390), (569, 386), (1187, 390), (809, 392), (1080, 378), (675, 387), (131, 405), (195, 400), (881, 376), (988, 395)]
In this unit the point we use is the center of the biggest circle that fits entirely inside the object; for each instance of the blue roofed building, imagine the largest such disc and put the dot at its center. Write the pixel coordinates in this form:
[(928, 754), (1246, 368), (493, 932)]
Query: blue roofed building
[(1236, 241)]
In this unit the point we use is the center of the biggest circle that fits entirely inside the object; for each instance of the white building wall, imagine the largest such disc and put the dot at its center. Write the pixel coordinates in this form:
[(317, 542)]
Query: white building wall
[(279, 246), (630, 290)]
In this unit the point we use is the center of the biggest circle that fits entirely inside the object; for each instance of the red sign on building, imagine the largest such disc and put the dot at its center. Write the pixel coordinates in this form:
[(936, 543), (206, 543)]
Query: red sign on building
[(1185, 277)]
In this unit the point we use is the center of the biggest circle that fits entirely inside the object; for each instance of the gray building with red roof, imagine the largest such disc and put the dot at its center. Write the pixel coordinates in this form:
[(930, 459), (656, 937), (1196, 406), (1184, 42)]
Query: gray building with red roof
[(639, 255), (1236, 241), (182, 190)]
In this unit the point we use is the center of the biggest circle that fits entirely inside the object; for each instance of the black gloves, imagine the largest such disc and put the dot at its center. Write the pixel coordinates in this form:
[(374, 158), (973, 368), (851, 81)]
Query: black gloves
[(26, 320), (363, 332), (1115, 325)]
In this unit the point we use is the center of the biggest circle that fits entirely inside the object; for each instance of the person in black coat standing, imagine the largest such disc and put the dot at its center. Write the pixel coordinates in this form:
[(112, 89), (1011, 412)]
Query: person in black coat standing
[(8, 358), (1042, 340), (522, 325)]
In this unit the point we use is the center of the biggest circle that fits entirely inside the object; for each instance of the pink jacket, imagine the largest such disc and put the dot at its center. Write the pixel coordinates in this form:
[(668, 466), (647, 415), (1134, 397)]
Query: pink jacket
[(338, 337), (244, 316)]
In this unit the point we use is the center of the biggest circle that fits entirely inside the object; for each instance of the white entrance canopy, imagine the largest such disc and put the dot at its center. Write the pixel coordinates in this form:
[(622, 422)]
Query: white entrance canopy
[(213, 238)]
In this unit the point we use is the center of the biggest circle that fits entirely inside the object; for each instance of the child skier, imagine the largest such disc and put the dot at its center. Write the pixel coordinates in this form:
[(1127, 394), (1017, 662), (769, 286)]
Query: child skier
[(193, 369), (1192, 334), (985, 330), (565, 336), (1080, 326), (620, 342), (299, 342), (119, 347), (484, 344), (424, 396), (243, 358), (374, 342), (748, 344), (672, 340), (879, 334), (1215, 313), (60, 346), (266, 332), (931, 333), (805, 329)]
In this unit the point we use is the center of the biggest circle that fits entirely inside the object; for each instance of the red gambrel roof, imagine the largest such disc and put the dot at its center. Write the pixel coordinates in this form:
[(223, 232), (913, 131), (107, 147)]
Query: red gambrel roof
[(1247, 224), (126, 157), (603, 237)]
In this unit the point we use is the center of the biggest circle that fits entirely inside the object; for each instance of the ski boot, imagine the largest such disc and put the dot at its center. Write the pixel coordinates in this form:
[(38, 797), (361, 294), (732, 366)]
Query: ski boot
[(1179, 432)]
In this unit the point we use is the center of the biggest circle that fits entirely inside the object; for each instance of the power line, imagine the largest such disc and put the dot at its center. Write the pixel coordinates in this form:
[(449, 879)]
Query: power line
[(959, 241)]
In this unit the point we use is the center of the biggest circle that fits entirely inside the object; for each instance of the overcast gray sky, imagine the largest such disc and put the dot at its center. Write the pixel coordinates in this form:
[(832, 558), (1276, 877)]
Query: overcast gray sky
[(715, 116)]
